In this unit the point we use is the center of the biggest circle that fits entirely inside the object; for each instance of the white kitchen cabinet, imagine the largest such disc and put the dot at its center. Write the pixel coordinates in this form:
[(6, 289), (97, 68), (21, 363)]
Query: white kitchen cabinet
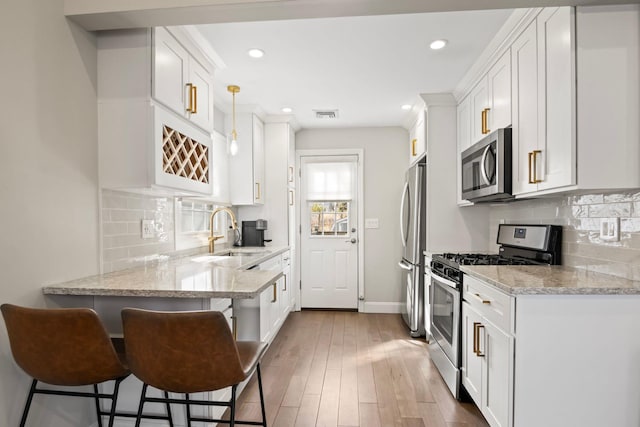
[(247, 167), (524, 134), (260, 318), (291, 158), (417, 138), (220, 170), (286, 295), (488, 351), (499, 94), (544, 138), (464, 124), (479, 104), (180, 82), (145, 146)]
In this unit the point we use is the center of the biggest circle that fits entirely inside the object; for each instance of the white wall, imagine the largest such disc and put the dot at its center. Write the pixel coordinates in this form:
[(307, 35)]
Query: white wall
[(48, 179), (386, 154)]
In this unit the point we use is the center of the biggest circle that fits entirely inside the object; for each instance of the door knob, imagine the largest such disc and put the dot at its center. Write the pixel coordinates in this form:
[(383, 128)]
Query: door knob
[(352, 240)]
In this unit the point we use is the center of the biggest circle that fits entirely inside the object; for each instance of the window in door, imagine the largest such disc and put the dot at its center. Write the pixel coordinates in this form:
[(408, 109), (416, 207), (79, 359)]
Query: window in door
[(329, 218)]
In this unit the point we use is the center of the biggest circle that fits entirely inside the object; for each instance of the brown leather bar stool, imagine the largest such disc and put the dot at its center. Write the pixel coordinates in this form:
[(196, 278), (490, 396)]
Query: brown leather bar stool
[(189, 352), (64, 347)]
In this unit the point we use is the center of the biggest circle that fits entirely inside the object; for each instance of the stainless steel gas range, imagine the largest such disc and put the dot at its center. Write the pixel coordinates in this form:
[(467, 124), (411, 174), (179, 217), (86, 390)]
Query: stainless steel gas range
[(519, 245)]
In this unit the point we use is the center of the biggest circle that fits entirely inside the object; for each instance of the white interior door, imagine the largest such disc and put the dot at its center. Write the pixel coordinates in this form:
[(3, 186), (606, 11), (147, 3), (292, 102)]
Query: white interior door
[(329, 232)]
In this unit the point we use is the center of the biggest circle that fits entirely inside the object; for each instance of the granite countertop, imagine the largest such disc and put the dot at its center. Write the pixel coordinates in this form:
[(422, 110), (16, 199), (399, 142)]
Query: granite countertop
[(551, 280), (197, 276)]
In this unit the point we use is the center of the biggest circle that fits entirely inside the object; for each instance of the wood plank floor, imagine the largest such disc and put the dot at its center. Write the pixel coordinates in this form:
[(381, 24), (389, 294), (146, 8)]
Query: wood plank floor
[(352, 369)]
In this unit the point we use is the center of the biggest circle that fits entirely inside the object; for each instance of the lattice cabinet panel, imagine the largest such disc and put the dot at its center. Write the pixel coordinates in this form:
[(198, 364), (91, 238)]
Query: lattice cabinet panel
[(184, 156)]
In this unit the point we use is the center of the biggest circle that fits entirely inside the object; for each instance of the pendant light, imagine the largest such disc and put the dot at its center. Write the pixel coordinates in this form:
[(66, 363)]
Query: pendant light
[(233, 146)]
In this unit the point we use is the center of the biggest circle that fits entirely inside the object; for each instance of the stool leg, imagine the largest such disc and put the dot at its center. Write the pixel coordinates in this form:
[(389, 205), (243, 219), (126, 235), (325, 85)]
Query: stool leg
[(143, 396), (166, 396), (32, 390), (264, 413), (232, 418), (186, 397), (95, 391), (114, 401)]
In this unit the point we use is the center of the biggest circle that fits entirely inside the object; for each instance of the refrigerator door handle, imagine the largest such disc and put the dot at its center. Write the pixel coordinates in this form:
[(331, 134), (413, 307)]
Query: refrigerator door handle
[(403, 265), (402, 213)]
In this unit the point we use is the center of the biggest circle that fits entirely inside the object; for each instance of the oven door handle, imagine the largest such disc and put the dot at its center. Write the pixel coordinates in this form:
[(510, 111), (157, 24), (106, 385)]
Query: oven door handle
[(444, 281), (405, 266)]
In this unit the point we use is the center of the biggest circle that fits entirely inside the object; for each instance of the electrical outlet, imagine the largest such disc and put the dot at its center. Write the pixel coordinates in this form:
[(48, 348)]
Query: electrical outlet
[(371, 223), (148, 229), (610, 229)]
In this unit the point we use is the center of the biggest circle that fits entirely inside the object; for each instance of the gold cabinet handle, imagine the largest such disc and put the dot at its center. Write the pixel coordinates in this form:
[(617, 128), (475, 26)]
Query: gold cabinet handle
[(258, 191), (290, 197), (475, 337), (290, 173), (194, 90), (478, 353), (483, 117), (414, 143), (484, 301), (486, 120), (275, 293), (190, 104), (285, 284), (533, 166)]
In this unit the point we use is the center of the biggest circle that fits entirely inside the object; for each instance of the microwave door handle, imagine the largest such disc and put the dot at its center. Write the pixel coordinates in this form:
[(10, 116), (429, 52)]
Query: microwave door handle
[(402, 213), (483, 169)]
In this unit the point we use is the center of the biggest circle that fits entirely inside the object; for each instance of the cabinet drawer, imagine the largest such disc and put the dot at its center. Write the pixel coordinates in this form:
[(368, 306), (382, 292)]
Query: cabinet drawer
[(494, 305)]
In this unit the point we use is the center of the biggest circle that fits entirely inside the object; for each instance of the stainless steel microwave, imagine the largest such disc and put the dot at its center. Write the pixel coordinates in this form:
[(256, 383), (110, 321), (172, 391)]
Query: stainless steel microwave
[(486, 168)]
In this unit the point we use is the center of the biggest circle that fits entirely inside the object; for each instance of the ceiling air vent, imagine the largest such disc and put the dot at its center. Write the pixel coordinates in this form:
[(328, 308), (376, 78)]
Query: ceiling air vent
[(326, 114)]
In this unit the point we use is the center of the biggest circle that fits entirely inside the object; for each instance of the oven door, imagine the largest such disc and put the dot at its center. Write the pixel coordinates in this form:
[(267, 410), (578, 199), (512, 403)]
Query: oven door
[(445, 316)]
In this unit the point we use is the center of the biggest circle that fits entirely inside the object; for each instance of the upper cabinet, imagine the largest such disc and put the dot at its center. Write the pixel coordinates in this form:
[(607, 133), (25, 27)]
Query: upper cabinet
[(246, 168), (417, 138), (180, 82), (544, 138), (147, 140), (488, 105), (567, 83)]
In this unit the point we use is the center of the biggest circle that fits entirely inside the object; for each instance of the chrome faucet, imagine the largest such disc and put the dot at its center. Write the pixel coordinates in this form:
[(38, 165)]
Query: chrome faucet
[(212, 238)]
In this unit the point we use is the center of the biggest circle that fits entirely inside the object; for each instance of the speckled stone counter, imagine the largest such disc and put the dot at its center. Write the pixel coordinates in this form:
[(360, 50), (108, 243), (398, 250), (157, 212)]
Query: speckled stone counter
[(199, 276), (551, 280)]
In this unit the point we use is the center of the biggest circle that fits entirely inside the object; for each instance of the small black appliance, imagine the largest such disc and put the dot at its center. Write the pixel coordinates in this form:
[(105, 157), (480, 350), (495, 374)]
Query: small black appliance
[(253, 232)]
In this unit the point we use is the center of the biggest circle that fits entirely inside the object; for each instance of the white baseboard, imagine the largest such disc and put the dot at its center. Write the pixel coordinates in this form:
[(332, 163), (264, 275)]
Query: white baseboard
[(383, 307)]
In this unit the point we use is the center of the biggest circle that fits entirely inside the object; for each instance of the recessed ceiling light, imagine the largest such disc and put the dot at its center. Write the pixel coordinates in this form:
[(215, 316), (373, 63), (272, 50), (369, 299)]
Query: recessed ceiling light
[(256, 53), (406, 107), (287, 109), (438, 44)]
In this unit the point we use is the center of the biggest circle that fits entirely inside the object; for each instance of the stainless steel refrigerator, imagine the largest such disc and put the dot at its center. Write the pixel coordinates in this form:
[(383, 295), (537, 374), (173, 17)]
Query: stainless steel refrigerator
[(412, 233)]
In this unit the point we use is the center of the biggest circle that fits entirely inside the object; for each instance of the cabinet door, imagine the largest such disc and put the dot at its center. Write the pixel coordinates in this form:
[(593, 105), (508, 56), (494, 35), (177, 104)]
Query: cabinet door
[(291, 170), (417, 138), (202, 96), (274, 307), (266, 298), (499, 80), (471, 369), (285, 294), (258, 161), (497, 379), (556, 115), (170, 68), (219, 169), (464, 124), (479, 100), (524, 102)]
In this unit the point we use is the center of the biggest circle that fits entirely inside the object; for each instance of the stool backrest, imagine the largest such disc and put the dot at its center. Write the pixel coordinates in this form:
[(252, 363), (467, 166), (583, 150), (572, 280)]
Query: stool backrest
[(182, 352), (61, 346)]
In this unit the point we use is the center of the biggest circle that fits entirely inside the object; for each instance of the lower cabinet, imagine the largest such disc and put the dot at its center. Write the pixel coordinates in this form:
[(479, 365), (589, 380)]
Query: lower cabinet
[(487, 366), (261, 318)]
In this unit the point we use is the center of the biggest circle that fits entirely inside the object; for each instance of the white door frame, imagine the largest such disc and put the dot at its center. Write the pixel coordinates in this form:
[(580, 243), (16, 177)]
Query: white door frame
[(360, 216)]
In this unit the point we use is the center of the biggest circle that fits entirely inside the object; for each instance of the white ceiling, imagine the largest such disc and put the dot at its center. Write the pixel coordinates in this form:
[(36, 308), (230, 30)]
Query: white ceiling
[(366, 67)]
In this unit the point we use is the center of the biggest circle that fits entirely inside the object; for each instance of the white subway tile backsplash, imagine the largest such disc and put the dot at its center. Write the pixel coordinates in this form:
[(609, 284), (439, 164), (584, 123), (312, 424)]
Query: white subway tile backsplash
[(580, 216), (609, 210), (122, 242)]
